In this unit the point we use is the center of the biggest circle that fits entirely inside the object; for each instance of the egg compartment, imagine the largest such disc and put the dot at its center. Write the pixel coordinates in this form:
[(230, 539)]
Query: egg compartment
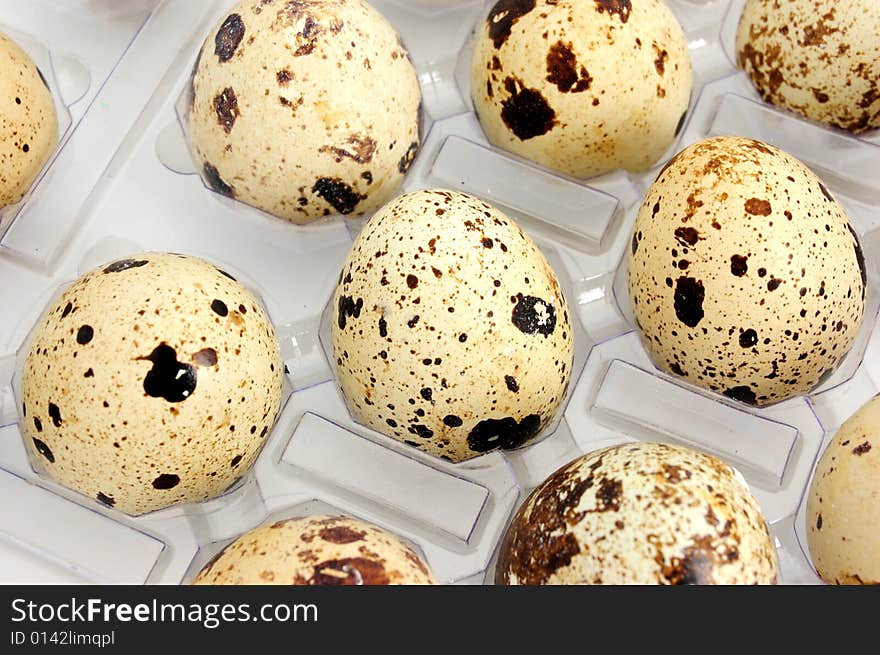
[(835, 158), (699, 20), (174, 147), (454, 512), (728, 29), (47, 536), (76, 67)]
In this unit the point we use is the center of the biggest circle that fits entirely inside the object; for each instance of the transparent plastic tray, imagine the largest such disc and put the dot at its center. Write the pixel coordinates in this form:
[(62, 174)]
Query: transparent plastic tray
[(122, 181)]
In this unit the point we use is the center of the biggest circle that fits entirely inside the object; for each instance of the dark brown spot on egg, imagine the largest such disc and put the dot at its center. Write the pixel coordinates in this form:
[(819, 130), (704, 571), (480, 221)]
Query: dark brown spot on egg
[(743, 394), (348, 308), (452, 421), (748, 339), (757, 207), (219, 307), (341, 534), (118, 267), (687, 236), (84, 334), (503, 16), (533, 315), (620, 7), (283, 76), (562, 69), (166, 481), (688, 301), (861, 449), (338, 194), (349, 571), (503, 433), (228, 37), (43, 449), (739, 265), (226, 108), (169, 379), (511, 383), (526, 112), (55, 415)]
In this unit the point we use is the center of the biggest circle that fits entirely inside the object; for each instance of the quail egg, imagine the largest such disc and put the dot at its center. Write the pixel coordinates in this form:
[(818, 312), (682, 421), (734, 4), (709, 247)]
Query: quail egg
[(150, 381), (819, 58), (582, 86), (317, 550), (28, 122), (450, 331), (843, 506), (642, 513), (305, 108), (745, 275)]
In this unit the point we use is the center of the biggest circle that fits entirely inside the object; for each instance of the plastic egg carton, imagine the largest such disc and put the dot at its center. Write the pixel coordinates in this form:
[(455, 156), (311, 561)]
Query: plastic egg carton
[(122, 181)]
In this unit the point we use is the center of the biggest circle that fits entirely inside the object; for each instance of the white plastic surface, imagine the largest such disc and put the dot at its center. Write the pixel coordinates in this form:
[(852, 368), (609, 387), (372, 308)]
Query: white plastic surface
[(122, 180)]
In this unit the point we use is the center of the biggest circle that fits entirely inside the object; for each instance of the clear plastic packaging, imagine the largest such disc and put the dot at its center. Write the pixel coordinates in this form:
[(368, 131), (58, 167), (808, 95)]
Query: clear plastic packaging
[(132, 193)]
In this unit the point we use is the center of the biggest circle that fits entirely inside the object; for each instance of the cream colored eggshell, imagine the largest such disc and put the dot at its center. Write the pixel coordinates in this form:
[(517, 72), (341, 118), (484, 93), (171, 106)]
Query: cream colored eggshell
[(317, 550), (818, 58), (642, 513), (305, 108), (28, 122), (96, 422), (582, 86), (425, 327), (745, 275), (843, 506)]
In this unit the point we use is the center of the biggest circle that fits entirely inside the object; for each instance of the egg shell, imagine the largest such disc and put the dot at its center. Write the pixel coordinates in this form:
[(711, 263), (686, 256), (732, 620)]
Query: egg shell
[(745, 275), (582, 86), (28, 122), (305, 108), (642, 513), (317, 550), (450, 331), (843, 504), (151, 381), (818, 58)]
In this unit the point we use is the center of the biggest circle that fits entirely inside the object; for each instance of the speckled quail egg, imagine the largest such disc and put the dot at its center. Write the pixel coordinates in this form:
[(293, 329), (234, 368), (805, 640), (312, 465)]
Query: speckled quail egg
[(150, 381), (450, 330), (582, 86), (745, 276), (28, 122), (305, 108), (819, 58), (642, 513), (843, 504), (317, 550)]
